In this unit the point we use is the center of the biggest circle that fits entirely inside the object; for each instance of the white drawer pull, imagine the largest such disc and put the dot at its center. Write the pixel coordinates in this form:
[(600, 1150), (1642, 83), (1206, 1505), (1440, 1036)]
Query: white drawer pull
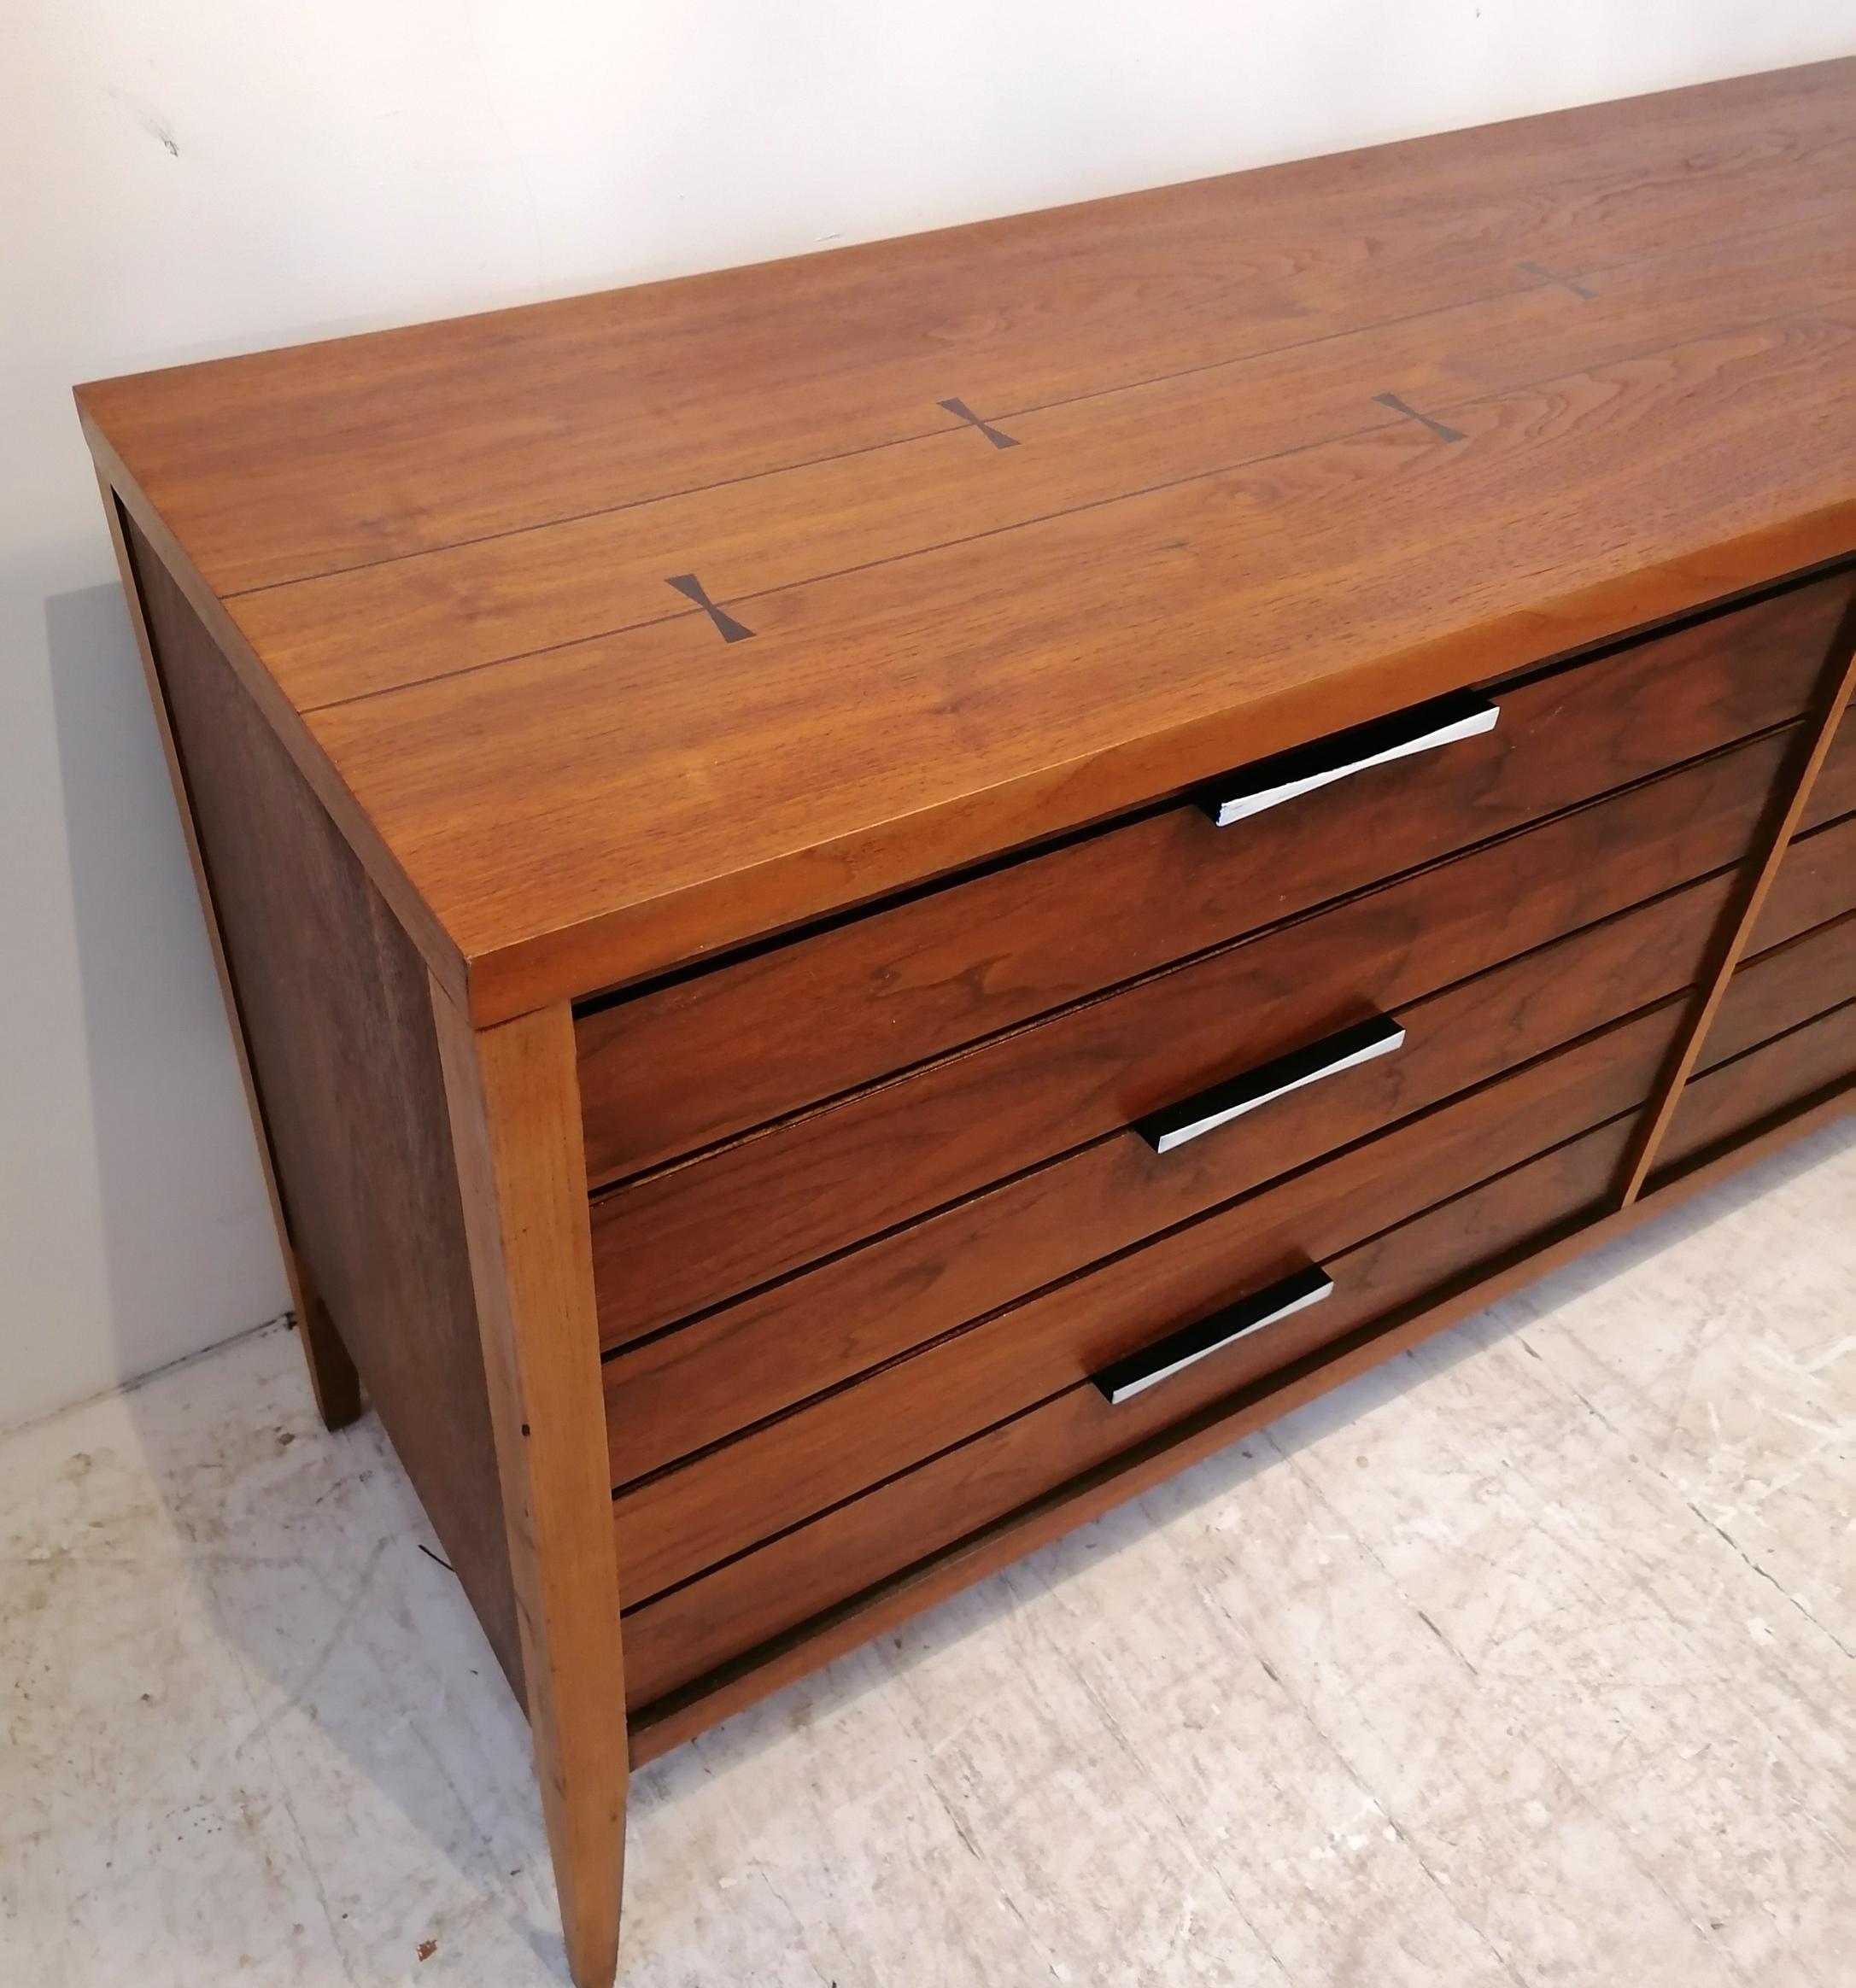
[(1360, 1042), (1272, 782), (1213, 1333)]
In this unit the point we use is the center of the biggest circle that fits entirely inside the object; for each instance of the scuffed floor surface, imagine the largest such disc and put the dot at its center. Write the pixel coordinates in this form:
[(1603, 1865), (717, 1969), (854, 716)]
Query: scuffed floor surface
[(1529, 1660)]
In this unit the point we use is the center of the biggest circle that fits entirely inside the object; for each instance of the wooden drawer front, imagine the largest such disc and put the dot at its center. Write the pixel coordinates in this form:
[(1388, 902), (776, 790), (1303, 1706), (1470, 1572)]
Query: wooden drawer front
[(682, 1064), (674, 1639), (678, 1242), (684, 1390), (1779, 990), (1815, 882), (686, 1520), (1732, 1100), (1835, 790)]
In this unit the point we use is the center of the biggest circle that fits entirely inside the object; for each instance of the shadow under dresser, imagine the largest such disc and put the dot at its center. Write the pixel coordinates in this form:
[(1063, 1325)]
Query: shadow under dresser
[(871, 900)]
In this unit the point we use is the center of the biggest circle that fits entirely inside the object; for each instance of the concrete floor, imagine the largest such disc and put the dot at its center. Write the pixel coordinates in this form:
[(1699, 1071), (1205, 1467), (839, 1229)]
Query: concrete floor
[(1530, 1660)]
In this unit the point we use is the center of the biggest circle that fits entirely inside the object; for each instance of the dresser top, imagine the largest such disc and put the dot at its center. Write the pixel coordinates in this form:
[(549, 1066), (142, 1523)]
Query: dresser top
[(617, 630)]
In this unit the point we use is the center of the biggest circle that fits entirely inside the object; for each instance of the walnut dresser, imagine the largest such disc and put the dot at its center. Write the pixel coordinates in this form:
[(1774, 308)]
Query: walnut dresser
[(872, 900)]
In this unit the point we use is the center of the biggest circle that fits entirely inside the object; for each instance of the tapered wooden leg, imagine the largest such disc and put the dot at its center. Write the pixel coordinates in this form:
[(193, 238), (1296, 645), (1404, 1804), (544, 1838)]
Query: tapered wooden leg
[(332, 1379), (515, 1123)]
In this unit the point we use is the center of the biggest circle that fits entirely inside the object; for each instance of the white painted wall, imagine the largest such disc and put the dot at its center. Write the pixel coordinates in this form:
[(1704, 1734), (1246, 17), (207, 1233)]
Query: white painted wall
[(183, 178)]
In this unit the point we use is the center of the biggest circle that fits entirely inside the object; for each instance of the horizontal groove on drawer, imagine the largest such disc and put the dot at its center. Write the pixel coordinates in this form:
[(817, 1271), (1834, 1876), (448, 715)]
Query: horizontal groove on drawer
[(1781, 989), (1833, 792), (694, 1384), (680, 1065), (674, 1244), (803, 1459), (775, 1588), (1785, 1074), (1815, 882)]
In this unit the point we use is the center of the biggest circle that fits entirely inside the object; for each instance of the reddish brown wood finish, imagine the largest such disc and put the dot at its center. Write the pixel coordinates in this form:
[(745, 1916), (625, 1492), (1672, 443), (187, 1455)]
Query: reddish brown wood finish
[(674, 1639), (724, 1050), (1212, 540), (1815, 882), (1772, 846), (668, 1721), (671, 1243), (1737, 1099), (682, 1389), (1782, 989), (515, 1121), (567, 647), (1834, 792), (333, 1377), (673, 1525), (334, 1007)]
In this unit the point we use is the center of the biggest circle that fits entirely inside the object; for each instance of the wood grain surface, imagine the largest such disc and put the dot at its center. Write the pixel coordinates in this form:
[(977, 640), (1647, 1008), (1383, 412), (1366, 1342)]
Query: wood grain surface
[(334, 1007), (1833, 792), (674, 1638), (919, 1583), (1735, 1099), (669, 1243), (618, 630), (713, 1053), (689, 1518), (1782, 988), (1815, 881), (516, 1124), (677, 1391)]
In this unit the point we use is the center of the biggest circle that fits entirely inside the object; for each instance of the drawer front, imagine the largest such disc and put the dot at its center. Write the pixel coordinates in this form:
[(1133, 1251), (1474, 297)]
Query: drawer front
[(1735, 1099), (673, 1525), (1779, 990), (676, 1242), (682, 1390), (1833, 793), (673, 1640), (683, 1065), (1815, 882)]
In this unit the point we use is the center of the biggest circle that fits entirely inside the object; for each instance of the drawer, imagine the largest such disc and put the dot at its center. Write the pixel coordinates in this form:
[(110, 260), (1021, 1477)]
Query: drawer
[(682, 1391), (1735, 1099), (685, 1063), (1815, 882), (1833, 792), (675, 1639), (1778, 990), (675, 1242), (686, 1518)]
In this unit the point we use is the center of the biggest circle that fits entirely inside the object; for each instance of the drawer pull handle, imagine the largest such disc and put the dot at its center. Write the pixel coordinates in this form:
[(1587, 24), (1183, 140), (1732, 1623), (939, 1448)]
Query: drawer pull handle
[(1213, 1333), (1174, 1124), (1272, 782)]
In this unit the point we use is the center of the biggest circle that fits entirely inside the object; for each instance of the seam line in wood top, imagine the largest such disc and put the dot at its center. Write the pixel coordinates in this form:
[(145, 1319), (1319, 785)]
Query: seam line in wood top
[(908, 440), (1398, 420), (787, 1410), (606, 1188), (1542, 281), (1073, 1387)]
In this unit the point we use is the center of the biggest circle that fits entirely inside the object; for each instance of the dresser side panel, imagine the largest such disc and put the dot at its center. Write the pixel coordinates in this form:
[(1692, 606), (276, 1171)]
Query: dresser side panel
[(335, 1004)]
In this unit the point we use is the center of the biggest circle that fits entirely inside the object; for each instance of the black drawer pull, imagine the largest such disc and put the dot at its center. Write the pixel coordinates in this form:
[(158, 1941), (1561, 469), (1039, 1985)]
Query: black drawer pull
[(1272, 782), (1174, 1124), (1212, 1334)]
